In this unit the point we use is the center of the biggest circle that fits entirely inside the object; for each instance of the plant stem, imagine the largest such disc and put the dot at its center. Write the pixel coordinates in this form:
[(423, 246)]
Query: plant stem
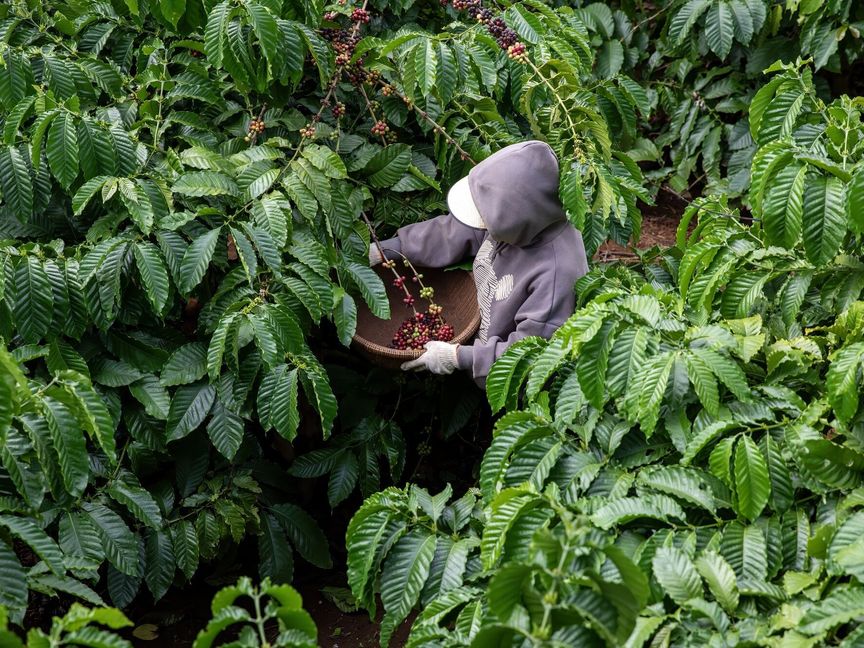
[(385, 260), (558, 99), (259, 620)]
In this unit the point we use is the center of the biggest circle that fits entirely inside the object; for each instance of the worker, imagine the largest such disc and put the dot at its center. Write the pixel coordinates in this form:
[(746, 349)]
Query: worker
[(507, 214)]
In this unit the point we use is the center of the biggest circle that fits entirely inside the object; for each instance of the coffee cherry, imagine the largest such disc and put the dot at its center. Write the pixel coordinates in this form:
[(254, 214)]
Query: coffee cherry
[(342, 59), (330, 16), (484, 15), (517, 52), (417, 330), (360, 15), (308, 131), (387, 90), (380, 128), (338, 110)]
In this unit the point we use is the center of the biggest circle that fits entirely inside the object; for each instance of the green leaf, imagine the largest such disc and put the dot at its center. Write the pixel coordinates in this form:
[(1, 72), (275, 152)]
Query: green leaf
[(189, 407), (727, 371), (272, 214), (62, 149), (683, 21), (118, 542), (153, 274), (782, 489), (77, 537), (720, 28), (69, 445), (187, 364), (593, 361), (214, 33), (784, 206), (137, 500), (28, 532), (345, 318), (159, 562), (86, 192), (752, 484), (325, 160), (405, 571), (216, 349), (33, 304), (305, 534), (625, 509), (277, 401), (185, 542), (276, 560), (343, 478), (839, 607), (152, 395), (16, 186), (225, 430), (676, 574), (505, 588), (854, 201), (824, 217), (317, 388), (205, 183), (684, 483), (371, 288), (780, 115), (173, 10), (841, 381), (720, 577), (426, 65), (506, 508), (610, 59), (13, 582), (387, 166), (266, 30), (196, 259), (652, 386), (703, 381)]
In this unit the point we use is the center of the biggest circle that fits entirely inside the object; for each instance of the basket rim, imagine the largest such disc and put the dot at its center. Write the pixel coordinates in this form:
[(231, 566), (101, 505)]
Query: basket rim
[(410, 354)]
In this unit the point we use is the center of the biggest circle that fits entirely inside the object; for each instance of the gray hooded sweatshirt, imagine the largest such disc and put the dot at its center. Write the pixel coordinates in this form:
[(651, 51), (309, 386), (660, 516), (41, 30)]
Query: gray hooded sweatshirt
[(526, 261)]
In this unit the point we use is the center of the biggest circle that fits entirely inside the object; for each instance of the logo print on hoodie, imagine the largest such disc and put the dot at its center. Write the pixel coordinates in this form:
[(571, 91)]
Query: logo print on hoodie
[(487, 285)]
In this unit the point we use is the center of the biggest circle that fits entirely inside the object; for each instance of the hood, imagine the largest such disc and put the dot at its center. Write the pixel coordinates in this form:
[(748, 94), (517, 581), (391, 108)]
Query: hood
[(516, 192)]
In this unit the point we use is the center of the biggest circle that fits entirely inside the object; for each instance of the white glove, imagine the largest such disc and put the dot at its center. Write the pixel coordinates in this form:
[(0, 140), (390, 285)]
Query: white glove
[(439, 358), (374, 255)]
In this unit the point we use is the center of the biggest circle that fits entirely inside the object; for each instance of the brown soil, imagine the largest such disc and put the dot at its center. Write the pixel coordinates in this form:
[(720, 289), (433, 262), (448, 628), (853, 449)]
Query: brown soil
[(659, 224)]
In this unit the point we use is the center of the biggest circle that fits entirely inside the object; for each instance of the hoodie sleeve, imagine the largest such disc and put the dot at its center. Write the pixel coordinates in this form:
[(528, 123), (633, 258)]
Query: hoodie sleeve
[(435, 243), (543, 312)]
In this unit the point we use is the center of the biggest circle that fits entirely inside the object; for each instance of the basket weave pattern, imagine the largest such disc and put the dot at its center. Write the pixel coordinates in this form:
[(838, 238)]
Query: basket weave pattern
[(454, 291)]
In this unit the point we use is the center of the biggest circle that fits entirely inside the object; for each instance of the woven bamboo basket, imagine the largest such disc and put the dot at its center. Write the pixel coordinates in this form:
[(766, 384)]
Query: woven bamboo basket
[(454, 291)]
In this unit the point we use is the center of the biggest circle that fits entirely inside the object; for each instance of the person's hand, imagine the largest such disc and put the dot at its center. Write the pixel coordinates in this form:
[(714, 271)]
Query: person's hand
[(374, 255), (439, 358)]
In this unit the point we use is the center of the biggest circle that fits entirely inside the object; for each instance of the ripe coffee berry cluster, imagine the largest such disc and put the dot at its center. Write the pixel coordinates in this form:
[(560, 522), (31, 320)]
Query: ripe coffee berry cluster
[(380, 128), (360, 15), (256, 127), (517, 52), (308, 131), (507, 39), (338, 110), (502, 33), (343, 40), (419, 329)]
